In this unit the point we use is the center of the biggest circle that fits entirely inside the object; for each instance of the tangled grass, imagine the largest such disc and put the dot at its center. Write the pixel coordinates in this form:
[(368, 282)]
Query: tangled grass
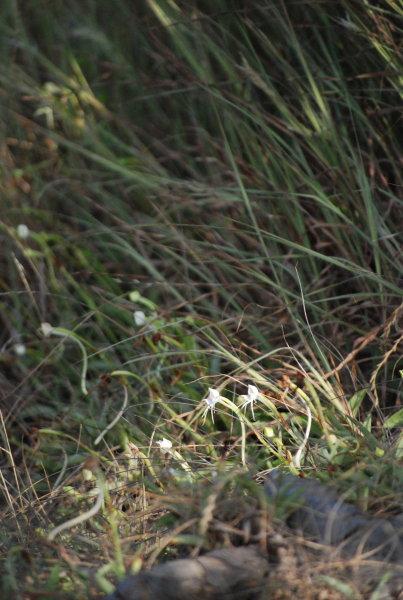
[(194, 196)]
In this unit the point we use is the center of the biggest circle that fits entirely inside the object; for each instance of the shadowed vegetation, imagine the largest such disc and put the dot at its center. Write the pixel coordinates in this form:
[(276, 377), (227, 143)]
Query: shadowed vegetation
[(194, 195)]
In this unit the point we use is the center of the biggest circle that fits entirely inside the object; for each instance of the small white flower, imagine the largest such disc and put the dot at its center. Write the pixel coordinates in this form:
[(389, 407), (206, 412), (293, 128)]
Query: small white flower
[(211, 401), (46, 329), (22, 231), (250, 398), (139, 318), (165, 446), (20, 349)]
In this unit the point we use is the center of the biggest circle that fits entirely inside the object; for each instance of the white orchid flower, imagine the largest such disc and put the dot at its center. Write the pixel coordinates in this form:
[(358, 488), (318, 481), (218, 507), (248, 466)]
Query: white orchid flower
[(165, 446), (22, 231), (139, 318), (249, 398), (211, 401), (20, 349), (46, 329)]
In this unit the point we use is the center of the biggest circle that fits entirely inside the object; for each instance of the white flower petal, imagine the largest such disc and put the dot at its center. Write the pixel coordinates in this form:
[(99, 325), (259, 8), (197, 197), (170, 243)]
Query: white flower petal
[(253, 392), (213, 397), (165, 446), (250, 398), (22, 231), (46, 329), (139, 318), (20, 349), (211, 401)]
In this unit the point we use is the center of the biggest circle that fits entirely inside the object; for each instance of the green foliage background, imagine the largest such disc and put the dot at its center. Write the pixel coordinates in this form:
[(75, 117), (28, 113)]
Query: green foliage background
[(233, 171)]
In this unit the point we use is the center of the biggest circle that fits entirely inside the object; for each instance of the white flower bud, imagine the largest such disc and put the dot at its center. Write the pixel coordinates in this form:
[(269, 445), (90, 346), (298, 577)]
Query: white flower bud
[(20, 349), (22, 231), (139, 318), (46, 329), (165, 446)]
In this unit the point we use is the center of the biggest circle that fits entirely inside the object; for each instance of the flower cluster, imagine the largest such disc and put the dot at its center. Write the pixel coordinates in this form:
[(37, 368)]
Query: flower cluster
[(247, 400)]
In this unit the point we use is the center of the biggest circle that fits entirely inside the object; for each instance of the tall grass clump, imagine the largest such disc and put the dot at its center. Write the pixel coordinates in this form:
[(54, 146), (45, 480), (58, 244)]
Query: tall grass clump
[(194, 196)]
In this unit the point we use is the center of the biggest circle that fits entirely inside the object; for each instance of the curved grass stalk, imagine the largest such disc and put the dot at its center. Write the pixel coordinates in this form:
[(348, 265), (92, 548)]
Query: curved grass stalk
[(62, 472), (116, 419), (183, 463), (216, 398), (242, 420), (297, 457), (48, 330), (80, 518)]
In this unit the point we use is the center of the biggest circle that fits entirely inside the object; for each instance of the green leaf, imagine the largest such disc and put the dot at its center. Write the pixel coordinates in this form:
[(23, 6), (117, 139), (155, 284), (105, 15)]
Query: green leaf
[(395, 420), (356, 401)]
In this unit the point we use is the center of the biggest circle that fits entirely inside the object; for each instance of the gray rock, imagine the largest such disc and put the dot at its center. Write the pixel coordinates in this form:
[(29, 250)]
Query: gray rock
[(226, 573), (319, 513), (316, 511)]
